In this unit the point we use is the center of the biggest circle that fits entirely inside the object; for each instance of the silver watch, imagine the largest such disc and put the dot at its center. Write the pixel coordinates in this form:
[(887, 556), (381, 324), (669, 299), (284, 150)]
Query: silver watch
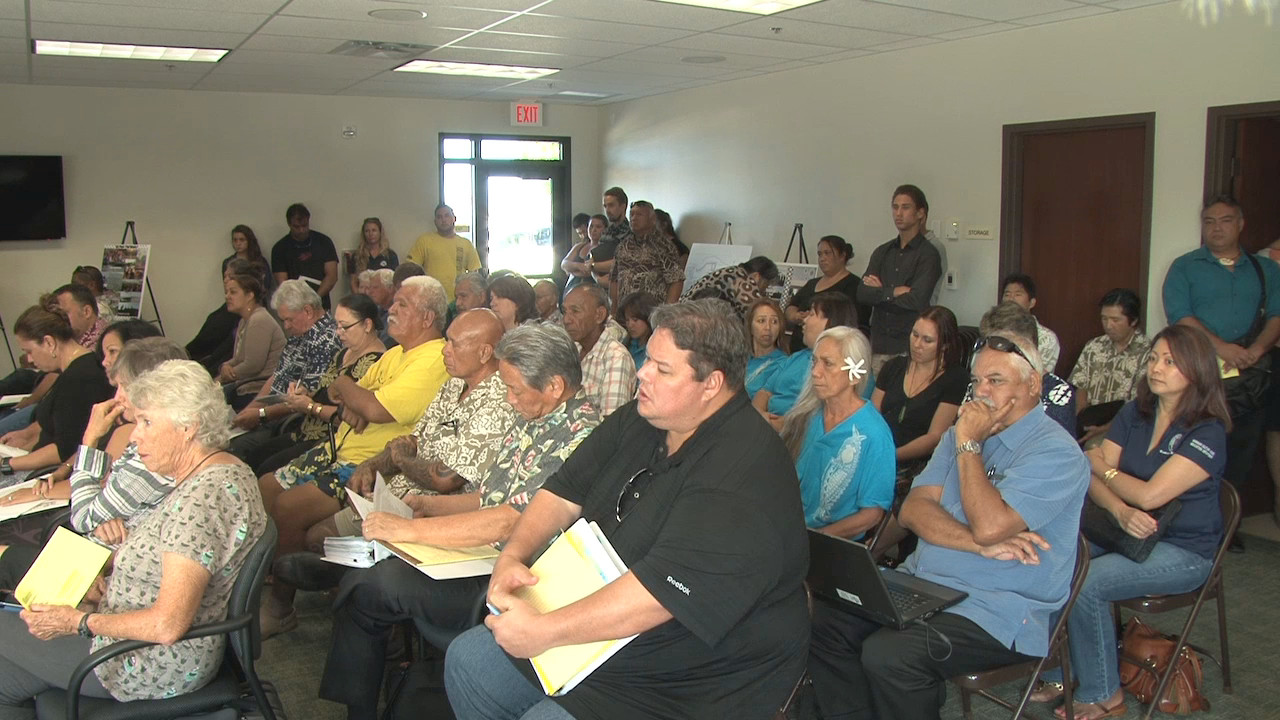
[(969, 446)]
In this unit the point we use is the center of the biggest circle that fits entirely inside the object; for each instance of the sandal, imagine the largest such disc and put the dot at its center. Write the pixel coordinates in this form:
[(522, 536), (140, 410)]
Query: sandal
[(1046, 692), (1084, 711)]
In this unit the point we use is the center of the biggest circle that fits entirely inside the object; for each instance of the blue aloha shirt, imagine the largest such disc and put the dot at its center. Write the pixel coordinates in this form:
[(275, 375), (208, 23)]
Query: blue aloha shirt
[(306, 357)]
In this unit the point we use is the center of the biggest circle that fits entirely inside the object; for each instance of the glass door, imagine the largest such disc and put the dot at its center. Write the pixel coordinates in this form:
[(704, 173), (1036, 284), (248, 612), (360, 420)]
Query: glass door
[(518, 222)]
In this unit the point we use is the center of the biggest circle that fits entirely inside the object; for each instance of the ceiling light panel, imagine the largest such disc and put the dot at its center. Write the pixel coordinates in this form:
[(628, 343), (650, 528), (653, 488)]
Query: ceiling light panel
[(67, 48), (757, 7), (512, 72)]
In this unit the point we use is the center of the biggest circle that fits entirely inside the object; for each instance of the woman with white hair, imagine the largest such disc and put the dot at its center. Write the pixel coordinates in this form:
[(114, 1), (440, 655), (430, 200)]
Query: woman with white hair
[(174, 570), (842, 448)]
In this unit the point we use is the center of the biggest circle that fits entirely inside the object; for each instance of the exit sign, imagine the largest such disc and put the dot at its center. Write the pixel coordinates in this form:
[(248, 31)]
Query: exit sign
[(526, 114)]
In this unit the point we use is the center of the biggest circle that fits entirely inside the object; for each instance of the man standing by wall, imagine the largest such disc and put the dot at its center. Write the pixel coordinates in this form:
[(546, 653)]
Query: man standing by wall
[(305, 254), (442, 253)]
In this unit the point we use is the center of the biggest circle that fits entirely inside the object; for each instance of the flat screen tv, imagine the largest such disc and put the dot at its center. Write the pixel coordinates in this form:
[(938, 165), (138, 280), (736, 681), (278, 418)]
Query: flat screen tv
[(31, 201)]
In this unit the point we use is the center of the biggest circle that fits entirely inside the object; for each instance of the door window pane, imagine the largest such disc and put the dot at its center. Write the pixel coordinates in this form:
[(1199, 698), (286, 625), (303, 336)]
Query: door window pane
[(520, 225), (457, 149), (494, 149), (459, 193)]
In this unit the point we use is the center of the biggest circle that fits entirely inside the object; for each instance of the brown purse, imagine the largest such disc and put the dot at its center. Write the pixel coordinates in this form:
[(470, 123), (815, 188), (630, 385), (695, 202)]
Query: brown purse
[(1141, 642)]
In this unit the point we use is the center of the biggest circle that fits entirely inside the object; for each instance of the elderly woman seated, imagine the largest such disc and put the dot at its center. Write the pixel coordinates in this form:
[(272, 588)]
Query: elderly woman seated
[(842, 448), (110, 489), (174, 569)]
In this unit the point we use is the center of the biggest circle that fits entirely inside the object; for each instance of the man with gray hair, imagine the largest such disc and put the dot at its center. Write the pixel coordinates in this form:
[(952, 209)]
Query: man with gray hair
[(608, 370), (697, 493), (538, 364), (997, 511), (1057, 395), (384, 404), (313, 340), (380, 285)]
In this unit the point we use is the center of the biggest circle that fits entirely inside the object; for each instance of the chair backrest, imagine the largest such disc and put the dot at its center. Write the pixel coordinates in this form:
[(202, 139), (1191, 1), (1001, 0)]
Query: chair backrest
[(1229, 502), (968, 336), (246, 595), (1077, 582)]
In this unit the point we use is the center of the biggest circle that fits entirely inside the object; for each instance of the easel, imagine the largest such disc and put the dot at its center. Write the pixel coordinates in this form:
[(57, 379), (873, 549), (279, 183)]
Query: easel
[(803, 255), (726, 235), (8, 344), (131, 232)]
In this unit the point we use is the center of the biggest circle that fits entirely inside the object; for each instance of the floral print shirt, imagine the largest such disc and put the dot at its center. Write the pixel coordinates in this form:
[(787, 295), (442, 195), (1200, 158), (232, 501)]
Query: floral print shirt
[(535, 449)]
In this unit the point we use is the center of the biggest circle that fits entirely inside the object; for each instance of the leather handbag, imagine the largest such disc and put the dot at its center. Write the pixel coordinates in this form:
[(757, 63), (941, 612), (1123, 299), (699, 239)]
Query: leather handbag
[(1143, 643), (1101, 528)]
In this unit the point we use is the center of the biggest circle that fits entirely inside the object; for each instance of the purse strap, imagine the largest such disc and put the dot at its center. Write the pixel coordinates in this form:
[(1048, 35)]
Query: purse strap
[(1260, 318)]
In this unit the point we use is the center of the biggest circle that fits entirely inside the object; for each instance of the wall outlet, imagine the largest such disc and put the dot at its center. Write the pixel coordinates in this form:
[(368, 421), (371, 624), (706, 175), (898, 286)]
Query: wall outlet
[(952, 283)]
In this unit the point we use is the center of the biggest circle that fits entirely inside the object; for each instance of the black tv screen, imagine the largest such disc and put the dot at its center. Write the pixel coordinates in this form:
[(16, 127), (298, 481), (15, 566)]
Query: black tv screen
[(31, 202)]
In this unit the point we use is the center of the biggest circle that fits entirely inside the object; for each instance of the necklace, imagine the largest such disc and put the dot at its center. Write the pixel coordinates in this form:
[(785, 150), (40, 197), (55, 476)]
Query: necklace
[(197, 467), (1228, 262)]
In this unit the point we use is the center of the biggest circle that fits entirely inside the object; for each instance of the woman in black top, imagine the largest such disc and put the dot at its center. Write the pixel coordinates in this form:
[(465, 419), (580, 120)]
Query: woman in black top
[(45, 335), (833, 255)]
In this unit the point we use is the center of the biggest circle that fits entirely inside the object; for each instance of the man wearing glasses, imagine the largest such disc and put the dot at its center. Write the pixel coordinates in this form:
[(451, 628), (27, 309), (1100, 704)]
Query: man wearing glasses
[(997, 511), (698, 496)]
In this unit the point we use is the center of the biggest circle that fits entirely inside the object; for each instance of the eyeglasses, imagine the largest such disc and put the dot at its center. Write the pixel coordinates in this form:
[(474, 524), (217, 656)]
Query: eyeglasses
[(345, 328), (631, 492), (996, 342)]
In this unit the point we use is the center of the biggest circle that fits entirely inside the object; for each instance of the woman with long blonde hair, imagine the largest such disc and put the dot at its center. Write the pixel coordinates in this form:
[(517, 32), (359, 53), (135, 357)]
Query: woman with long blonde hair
[(374, 253)]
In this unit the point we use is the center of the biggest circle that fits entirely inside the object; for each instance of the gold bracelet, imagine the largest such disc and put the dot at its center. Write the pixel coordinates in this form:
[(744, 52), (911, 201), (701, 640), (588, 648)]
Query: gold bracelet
[(1108, 476), (311, 408)]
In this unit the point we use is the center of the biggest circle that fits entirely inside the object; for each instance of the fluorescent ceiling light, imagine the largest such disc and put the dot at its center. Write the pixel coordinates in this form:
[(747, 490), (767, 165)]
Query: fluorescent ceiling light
[(583, 94), (759, 7), (476, 69), (128, 52)]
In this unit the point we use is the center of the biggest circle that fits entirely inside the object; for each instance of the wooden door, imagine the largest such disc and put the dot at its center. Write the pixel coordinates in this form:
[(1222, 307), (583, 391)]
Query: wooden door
[(1076, 218), (1256, 179)]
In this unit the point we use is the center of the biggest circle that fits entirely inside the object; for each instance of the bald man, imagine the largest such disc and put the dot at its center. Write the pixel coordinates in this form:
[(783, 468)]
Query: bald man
[(608, 371)]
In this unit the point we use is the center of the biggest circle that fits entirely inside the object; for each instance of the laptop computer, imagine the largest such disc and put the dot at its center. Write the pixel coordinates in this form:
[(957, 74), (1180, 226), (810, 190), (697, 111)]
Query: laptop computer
[(843, 572)]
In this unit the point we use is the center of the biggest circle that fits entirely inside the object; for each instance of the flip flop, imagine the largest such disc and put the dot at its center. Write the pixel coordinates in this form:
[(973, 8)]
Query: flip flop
[(1081, 711)]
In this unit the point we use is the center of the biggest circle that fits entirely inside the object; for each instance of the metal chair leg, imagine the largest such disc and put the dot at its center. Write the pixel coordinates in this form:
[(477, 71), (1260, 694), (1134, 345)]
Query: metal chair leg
[(1222, 635), (1068, 684), (966, 704)]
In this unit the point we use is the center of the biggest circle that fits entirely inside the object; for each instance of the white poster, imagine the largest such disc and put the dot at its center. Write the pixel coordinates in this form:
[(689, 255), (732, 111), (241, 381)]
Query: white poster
[(124, 273), (793, 276), (705, 257)]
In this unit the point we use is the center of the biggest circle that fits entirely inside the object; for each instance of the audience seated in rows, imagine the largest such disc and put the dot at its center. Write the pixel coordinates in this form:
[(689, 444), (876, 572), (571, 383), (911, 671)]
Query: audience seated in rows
[(512, 298), (1057, 395), (301, 418), (842, 448), (900, 277), (997, 512), (1107, 372), (740, 285), (538, 365), (374, 253), (765, 341), (1170, 443), (1021, 289), (608, 372), (258, 345), (834, 255), (645, 260), (827, 310), (443, 254), (633, 314), (305, 254), (697, 494), (47, 336), (384, 404), (175, 567)]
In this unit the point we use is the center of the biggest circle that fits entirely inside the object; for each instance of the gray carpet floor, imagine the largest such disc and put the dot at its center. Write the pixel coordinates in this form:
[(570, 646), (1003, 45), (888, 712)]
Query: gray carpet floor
[(294, 661)]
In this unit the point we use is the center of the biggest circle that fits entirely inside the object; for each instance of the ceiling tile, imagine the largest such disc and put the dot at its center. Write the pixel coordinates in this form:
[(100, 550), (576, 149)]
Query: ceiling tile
[(317, 86), (264, 7), (13, 46), (810, 32), (158, 82), (13, 28), (135, 36), (503, 57), (989, 9), (717, 43), (13, 10), (684, 70), (877, 16), (666, 54), (437, 16), (595, 81), (371, 88), (1083, 11), (509, 5), (285, 43), (345, 30), (976, 30), (644, 12), (905, 44), (846, 55), (335, 63), (537, 43), (114, 67), (552, 26), (143, 17), (1128, 4)]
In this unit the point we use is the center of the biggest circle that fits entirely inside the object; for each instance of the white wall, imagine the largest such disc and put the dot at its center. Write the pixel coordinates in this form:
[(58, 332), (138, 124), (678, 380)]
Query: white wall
[(187, 166), (826, 145)]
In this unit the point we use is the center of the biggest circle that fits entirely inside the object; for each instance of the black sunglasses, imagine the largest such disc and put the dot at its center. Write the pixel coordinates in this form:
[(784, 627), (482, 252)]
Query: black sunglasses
[(631, 492), (1003, 344)]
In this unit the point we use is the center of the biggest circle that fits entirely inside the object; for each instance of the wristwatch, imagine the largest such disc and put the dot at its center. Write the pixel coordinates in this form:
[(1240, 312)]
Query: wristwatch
[(969, 446), (84, 626), (4, 466)]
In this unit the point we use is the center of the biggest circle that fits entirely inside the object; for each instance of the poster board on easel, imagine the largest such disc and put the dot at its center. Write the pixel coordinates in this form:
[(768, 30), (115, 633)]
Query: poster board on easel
[(792, 277), (707, 257), (124, 275)]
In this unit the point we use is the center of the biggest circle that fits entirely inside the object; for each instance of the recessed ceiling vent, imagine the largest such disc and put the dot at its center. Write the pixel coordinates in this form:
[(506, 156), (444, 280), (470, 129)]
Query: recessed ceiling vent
[(383, 50)]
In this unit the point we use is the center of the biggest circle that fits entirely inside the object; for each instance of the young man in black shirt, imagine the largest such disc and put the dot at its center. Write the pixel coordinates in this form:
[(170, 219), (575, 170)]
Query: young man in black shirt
[(697, 494), (305, 253)]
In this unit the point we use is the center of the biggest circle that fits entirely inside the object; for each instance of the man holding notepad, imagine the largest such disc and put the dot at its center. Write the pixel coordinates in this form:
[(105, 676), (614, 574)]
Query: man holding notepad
[(697, 495)]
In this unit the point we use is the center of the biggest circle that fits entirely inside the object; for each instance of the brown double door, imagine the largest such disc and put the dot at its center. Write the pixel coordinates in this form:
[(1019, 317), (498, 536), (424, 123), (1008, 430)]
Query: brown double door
[(1076, 214)]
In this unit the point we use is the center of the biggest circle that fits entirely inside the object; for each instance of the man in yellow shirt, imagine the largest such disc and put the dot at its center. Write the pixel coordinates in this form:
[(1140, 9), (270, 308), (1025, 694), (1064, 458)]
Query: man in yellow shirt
[(442, 253), (384, 404)]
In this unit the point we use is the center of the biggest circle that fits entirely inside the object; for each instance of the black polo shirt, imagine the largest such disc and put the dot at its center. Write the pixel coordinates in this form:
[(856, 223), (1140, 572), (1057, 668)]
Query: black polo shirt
[(63, 413), (718, 538), (306, 258), (918, 266)]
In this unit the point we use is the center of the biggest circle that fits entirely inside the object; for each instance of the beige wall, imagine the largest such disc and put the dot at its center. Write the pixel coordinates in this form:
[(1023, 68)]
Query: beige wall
[(187, 166), (826, 145)]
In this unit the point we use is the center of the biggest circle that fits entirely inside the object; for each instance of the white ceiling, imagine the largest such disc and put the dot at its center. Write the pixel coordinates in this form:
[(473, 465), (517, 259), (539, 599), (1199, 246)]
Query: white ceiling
[(624, 48)]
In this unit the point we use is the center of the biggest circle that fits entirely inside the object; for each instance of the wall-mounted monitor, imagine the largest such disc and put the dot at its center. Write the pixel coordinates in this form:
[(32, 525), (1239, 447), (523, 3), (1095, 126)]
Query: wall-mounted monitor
[(31, 201)]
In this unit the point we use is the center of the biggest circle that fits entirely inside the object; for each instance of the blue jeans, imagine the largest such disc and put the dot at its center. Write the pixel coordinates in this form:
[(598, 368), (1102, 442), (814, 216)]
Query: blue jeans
[(484, 685), (18, 419), (1169, 569)]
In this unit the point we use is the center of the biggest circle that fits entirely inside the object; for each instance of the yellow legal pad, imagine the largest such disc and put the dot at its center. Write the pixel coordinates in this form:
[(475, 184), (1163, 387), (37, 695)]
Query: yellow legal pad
[(65, 570)]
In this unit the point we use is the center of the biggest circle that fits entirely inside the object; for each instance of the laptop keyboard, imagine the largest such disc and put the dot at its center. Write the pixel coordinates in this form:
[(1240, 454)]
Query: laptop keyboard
[(906, 601)]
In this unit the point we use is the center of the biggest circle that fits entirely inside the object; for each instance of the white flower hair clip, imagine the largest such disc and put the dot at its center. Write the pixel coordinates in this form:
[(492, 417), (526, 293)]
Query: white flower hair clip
[(856, 370)]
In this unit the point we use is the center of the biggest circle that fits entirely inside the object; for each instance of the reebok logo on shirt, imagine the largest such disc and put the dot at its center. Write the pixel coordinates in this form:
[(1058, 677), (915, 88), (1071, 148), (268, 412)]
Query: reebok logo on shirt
[(678, 585)]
